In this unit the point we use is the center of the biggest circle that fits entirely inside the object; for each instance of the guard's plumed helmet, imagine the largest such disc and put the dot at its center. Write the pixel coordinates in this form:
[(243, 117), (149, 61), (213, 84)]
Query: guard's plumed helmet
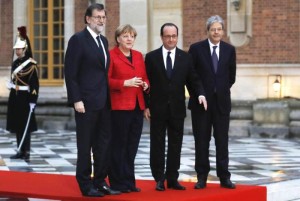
[(23, 41), (20, 43)]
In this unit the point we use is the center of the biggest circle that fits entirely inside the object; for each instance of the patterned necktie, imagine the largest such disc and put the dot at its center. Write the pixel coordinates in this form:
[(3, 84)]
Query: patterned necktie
[(101, 49), (169, 65), (214, 58)]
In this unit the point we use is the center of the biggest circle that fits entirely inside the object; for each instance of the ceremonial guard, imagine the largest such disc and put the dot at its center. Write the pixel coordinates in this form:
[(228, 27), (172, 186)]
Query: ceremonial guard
[(24, 88)]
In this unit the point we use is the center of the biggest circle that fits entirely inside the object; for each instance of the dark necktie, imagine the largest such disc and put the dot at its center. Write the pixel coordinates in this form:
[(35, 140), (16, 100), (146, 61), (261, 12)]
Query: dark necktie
[(214, 58), (169, 65), (101, 50)]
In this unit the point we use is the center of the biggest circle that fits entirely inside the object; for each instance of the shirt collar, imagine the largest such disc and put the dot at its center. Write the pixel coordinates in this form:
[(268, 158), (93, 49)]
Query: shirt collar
[(211, 44), (165, 51), (94, 35)]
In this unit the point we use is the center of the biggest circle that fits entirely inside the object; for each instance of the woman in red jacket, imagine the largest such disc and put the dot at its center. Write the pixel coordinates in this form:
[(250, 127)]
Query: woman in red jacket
[(127, 82)]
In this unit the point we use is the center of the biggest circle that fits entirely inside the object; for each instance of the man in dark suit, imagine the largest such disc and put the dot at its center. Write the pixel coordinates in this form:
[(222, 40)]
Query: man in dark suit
[(86, 67), (215, 63), (169, 69)]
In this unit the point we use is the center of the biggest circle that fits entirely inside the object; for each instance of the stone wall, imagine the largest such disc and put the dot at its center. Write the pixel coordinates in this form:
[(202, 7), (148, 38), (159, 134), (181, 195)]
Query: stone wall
[(270, 118)]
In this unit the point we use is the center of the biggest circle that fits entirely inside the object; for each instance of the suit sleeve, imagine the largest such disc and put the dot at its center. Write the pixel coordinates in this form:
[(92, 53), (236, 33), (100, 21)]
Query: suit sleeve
[(34, 85), (114, 84), (194, 83), (148, 72), (232, 68), (144, 73), (72, 69)]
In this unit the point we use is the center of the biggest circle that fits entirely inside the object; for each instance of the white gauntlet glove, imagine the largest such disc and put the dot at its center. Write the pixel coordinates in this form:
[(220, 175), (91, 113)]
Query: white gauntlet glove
[(32, 106)]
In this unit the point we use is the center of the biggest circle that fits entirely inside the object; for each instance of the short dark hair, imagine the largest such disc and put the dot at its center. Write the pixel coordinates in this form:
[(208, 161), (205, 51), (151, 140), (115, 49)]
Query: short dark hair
[(167, 24), (91, 8)]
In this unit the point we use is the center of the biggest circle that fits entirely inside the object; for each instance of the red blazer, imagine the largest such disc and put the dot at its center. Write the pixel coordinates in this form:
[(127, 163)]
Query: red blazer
[(120, 69)]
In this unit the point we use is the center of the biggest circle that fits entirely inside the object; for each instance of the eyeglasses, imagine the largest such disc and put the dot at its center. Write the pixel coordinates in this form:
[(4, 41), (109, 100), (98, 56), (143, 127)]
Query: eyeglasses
[(215, 29), (170, 37), (99, 17)]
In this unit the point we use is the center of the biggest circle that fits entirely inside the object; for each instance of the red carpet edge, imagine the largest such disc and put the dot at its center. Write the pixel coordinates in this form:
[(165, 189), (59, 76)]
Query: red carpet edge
[(64, 187)]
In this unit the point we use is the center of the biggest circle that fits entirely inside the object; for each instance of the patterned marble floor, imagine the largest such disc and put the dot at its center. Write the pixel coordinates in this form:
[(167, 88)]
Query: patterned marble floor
[(274, 163)]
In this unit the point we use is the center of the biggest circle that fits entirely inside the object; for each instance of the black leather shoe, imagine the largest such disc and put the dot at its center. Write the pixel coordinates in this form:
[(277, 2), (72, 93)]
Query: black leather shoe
[(160, 186), (93, 192), (226, 183), (201, 183), (135, 189), (175, 185), (108, 191), (26, 157), (17, 156), (125, 190)]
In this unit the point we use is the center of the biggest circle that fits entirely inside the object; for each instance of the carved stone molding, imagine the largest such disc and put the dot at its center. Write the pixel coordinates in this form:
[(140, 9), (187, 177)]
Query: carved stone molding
[(239, 21)]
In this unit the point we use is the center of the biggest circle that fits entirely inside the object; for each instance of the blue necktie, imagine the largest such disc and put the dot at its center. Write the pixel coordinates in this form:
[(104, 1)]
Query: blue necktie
[(101, 50), (214, 58), (169, 65)]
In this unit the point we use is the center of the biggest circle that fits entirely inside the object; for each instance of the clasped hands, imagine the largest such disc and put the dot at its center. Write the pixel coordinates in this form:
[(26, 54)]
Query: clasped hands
[(136, 82)]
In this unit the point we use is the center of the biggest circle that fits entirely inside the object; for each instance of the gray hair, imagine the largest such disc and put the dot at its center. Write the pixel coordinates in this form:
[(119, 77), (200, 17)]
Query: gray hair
[(213, 19)]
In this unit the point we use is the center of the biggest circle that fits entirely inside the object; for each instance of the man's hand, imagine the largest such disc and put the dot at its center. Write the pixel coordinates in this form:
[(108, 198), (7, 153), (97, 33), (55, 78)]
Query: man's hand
[(145, 86), (202, 100), (79, 107), (147, 114)]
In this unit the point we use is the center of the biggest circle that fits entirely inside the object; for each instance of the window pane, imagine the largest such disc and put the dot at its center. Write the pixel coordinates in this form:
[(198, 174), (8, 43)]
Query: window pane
[(36, 3), (37, 44), (44, 73), (56, 15), (44, 30), (44, 58), (37, 16), (56, 29), (56, 71), (56, 3), (62, 57), (62, 44), (37, 30), (56, 44), (36, 56), (44, 16), (44, 44), (56, 58), (44, 3)]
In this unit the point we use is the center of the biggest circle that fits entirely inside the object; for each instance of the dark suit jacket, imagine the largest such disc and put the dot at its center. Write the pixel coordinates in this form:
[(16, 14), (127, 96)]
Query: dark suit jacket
[(219, 82), (167, 92), (85, 73)]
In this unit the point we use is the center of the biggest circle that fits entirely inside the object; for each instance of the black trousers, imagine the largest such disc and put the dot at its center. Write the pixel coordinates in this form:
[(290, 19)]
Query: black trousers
[(93, 132), (203, 122), (126, 133), (25, 148), (158, 129)]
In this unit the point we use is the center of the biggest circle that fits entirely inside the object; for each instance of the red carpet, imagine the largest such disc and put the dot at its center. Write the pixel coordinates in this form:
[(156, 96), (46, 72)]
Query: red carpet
[(62, 187)]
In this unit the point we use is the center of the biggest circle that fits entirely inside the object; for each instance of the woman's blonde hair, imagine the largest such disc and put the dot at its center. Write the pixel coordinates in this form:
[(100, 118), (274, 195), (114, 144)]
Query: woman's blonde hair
[(127, 28)]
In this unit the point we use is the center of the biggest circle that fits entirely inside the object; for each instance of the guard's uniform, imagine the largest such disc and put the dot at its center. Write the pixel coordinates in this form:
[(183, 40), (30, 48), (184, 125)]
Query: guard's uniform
[(24, 90)]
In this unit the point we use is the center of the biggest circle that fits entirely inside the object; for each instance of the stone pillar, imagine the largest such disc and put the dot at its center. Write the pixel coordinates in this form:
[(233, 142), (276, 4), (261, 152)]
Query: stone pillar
[(161, 12), (134, 12)]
